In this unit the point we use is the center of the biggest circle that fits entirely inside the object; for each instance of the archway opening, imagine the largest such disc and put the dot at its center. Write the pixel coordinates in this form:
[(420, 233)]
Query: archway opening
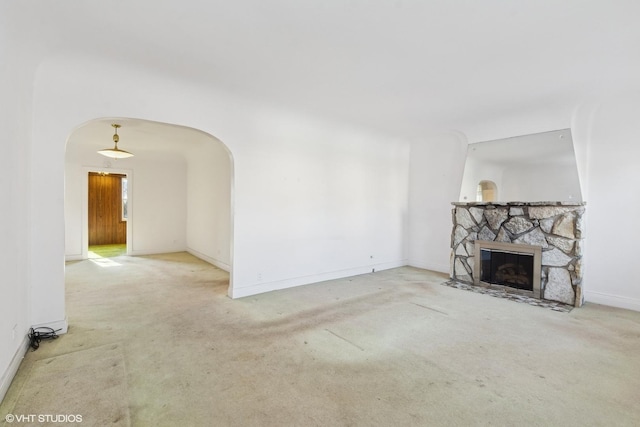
[(180, 187), (487, 191)]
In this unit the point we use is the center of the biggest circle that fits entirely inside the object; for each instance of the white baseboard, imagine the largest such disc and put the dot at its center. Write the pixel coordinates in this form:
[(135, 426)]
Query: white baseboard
[(612, 300), (155, 251), (430, 267), (73, 257), (60, 326), (10, 373), (259, 288), (221, 265)]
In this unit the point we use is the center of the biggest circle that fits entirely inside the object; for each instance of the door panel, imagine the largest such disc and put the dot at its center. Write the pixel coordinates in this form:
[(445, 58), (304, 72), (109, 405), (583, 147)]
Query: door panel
[(105, 210)]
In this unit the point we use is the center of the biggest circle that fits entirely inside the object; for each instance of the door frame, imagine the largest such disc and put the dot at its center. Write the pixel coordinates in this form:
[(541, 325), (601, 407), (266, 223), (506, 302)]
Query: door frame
[(85, 206)]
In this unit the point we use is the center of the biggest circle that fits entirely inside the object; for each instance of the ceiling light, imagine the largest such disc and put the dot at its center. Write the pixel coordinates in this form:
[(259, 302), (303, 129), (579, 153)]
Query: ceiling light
[(115, 152)]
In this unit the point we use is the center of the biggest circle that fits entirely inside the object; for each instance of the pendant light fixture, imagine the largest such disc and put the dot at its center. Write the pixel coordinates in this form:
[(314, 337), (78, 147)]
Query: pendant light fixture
[(115, 152)]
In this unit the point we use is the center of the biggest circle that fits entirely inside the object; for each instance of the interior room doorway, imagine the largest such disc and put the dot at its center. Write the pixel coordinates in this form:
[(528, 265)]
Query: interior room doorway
[(107, 214), (179, 196)]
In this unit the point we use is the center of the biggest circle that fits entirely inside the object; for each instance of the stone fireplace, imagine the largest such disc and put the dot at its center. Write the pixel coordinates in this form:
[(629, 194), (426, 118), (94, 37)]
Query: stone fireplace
[(532, 248)]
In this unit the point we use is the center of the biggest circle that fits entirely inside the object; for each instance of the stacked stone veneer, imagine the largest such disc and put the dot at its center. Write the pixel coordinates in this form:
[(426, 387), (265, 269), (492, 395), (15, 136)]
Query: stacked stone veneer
[(557, 227)]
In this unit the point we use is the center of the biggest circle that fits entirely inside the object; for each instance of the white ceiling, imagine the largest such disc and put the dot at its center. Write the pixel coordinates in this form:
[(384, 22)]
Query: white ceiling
[(405, 67)]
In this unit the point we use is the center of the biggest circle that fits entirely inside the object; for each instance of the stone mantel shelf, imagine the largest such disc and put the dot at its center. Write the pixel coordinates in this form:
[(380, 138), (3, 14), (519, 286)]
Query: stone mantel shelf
[(519, 203)]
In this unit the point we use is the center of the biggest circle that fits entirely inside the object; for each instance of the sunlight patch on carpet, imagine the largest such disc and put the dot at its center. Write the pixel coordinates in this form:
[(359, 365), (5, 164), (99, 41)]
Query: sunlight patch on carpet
[(104, 262)]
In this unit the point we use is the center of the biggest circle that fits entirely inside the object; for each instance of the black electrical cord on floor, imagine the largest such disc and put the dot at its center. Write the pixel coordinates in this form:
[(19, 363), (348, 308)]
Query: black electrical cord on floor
[(38, 334)]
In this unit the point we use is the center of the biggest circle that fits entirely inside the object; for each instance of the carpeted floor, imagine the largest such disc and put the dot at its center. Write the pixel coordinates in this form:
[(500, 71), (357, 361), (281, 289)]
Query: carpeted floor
[(69, 381), (388, 348)]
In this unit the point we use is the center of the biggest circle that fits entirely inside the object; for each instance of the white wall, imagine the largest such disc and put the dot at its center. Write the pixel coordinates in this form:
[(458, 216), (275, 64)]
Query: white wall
[(608, 141), (209, 172), (314, 199), (16, 90), (74, 187), (437, 164), (158, 204)]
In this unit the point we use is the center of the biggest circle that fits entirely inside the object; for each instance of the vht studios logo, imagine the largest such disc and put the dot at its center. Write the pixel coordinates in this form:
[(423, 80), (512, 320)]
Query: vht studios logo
[(43, 418)]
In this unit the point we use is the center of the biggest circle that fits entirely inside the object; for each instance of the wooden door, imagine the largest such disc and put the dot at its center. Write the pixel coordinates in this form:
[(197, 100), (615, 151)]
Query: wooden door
[(106, 225)]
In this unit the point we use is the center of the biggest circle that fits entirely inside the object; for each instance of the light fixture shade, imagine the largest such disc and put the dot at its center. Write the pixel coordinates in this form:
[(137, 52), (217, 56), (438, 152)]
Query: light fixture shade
[(115, 152)]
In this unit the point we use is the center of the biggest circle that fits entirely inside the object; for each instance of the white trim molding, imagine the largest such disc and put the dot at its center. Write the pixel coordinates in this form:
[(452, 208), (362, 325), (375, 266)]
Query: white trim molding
[(259, 288), (73, 257), (221, 265), (612, 300), (440, 268), (60, 326), (12, 369)]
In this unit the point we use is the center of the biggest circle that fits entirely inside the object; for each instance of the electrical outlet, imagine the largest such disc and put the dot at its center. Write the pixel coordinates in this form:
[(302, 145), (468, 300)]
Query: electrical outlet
[(259, 277)]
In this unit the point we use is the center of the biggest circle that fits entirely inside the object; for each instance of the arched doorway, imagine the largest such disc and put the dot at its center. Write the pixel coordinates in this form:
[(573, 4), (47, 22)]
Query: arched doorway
[(487, 191), (180, 183)]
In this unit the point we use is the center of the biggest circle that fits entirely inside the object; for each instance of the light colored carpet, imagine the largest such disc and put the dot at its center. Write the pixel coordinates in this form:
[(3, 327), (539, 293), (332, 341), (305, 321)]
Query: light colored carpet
[(390, 348), (73, 383)]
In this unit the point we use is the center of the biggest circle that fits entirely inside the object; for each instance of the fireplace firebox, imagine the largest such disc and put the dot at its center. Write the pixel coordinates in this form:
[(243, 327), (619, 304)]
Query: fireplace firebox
[(508, 265), (511, 269)]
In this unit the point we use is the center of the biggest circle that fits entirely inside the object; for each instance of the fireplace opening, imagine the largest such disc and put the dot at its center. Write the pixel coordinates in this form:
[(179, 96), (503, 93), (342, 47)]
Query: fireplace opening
[(513, 267), (507, 268)]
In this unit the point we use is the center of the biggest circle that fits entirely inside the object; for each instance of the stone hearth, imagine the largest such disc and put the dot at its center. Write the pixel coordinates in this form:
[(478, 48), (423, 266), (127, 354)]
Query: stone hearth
[(556, 227)]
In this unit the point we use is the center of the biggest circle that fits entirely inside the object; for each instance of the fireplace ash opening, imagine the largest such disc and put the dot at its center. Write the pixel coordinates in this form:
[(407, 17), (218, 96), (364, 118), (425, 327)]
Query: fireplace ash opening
[(507, 268)]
